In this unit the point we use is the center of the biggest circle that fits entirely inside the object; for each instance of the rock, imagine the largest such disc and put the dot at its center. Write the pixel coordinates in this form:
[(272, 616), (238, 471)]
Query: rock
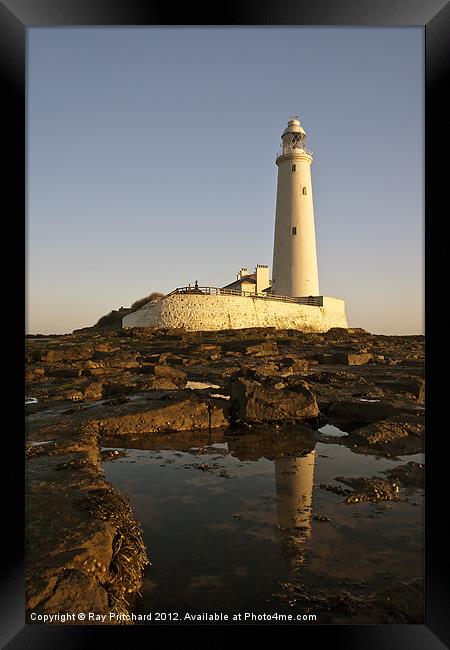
[(64, 353), (112, 454), (106, 347), (334, 489), (410, 474), (35, 373), (174, 375), (178, 359), (264, 370), (359, 411), (210, 351), (413, 424), (93, 390), (269, 369), (74, 519), (349, 359), (77, 591), (266, 349), (370, 489), (162, 358), (158, 383), (254, 402), (173, 333), (415, 386), (98, 372), (296, 365), (336, 332), (384, 431), (393, 428), (343, 332), (122, 359), (72, 394), (155, 358), (183, 412), (335, 377), (411, 362), (111, 389), (297, 384), (324, 358), (63, 372), (31, 355), (139, 333), (194, 362)]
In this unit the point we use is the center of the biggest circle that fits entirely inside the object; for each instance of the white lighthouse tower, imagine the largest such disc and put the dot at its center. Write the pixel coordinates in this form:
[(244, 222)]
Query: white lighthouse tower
[(294, 253)]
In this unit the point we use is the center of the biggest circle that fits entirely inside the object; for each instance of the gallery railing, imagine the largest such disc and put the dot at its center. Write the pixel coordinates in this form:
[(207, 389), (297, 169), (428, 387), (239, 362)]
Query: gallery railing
[(315, 301), (292, 149)]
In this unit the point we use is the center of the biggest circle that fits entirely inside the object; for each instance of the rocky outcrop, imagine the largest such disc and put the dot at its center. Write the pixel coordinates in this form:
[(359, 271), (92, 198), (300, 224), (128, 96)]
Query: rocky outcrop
[(410, 474), (297, 365), (361, 411), (370, 489), (184, 412), (350, 359), (163, 371), (130, 387), (252, 402), (393, 428), (74, 524), (57, 352), (345, 332), (266, 349)]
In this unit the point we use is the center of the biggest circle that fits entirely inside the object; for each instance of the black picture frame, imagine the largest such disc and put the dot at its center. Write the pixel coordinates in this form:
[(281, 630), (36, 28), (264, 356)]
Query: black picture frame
[(16, 16)]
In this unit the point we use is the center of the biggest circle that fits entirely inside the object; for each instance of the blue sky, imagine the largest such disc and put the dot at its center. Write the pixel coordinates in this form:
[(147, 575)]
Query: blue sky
[(151, 164)]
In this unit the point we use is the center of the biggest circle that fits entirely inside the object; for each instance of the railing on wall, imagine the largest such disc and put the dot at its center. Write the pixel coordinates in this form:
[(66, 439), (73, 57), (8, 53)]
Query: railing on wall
[(314, 301)]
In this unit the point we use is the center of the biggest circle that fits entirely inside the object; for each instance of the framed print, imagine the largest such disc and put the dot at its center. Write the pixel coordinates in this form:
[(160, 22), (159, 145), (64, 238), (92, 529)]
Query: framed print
[(227, 223)]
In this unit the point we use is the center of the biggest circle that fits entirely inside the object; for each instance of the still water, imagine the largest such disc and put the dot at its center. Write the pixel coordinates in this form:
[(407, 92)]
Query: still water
[(227, 520)]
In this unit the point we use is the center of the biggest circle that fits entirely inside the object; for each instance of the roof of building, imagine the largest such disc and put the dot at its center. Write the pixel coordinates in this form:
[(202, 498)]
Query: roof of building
[(249, 279)]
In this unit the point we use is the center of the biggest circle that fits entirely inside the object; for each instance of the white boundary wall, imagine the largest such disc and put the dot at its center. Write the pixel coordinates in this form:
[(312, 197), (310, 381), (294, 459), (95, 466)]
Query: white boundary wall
[(197, 312)]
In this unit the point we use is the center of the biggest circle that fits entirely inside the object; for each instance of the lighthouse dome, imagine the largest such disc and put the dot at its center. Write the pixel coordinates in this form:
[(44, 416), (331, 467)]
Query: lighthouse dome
[(294, 126), (293, 137)]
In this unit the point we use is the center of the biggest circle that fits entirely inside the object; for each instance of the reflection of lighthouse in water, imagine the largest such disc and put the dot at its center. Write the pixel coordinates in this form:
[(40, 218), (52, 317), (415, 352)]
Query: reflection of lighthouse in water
[(294, 484)]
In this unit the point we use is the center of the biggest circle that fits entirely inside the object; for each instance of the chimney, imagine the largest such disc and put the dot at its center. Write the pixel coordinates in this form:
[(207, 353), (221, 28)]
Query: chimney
[(262, 277)]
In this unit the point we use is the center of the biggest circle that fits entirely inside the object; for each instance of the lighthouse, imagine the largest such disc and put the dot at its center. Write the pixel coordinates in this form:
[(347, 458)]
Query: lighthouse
[(292, 300), (294, 254)]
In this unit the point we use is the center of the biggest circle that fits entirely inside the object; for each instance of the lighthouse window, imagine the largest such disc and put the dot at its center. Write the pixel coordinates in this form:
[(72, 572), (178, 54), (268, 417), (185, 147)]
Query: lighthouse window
[(294, 230), (304, 190), (293, 168)]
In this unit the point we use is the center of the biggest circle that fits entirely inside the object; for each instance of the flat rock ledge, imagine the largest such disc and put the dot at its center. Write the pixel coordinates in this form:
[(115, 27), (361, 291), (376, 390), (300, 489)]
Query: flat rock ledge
[(79, 534)]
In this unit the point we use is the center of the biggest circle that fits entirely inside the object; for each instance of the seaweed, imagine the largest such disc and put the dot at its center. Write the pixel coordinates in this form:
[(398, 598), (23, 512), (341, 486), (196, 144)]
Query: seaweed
[(129, 556)]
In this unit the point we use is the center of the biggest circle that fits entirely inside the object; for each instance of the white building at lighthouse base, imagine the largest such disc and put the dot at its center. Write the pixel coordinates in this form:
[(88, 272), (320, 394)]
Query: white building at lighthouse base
[(209, 308)]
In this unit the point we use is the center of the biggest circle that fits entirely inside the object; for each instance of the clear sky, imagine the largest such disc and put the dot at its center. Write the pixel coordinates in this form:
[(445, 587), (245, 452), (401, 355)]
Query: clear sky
[(151, 164)]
